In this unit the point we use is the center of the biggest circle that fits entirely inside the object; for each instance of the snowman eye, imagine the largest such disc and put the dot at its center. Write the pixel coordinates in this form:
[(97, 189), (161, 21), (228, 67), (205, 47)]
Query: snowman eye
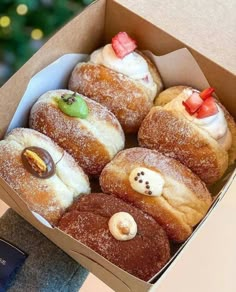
[(146, 181)]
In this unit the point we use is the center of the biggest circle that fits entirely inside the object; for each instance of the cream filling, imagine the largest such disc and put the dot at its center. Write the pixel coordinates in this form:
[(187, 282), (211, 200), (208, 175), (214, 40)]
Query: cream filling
[(132, 65), (146, 181), (215, 125), (122, 226)]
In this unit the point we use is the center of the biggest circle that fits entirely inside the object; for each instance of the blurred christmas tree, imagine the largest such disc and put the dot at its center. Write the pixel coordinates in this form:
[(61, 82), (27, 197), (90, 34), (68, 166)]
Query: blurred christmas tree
[(26, 24)]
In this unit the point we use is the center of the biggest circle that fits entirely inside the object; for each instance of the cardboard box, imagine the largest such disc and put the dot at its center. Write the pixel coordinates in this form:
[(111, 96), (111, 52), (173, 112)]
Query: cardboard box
[(162, 28)]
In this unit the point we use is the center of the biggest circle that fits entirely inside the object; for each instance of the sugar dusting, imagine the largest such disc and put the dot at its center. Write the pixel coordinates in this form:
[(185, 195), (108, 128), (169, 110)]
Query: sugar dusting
[(184, 195), (127, 99), (48, 197), (142, 256), (183, 142), (88, 141)]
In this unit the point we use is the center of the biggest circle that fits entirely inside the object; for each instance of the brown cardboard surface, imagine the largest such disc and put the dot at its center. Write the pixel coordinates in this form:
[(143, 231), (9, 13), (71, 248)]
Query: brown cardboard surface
[(207, 26), (102, 20)]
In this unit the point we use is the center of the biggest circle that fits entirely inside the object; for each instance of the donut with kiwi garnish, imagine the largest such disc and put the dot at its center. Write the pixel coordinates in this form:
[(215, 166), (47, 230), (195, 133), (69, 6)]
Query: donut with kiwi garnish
[(84, 128), (121, 78), (194, 128), (160, 186), (119, 232), (45, 176)]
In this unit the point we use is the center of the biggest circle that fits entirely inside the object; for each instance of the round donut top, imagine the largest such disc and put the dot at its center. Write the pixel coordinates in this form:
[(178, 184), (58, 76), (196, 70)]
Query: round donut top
[(68, 180), (99, 124), (143, 255)]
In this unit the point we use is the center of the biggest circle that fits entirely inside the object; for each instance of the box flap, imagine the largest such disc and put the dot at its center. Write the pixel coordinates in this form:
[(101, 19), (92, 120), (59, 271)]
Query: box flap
[(206, 26)]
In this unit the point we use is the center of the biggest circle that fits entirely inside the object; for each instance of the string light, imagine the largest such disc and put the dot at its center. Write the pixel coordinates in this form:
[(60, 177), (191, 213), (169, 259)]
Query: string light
[(22, 9), (36, 34), (5, 21)]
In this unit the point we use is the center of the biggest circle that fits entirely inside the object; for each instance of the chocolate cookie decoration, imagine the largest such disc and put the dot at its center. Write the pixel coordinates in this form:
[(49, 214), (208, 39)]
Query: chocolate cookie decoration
[(73, 105), (38, 162)]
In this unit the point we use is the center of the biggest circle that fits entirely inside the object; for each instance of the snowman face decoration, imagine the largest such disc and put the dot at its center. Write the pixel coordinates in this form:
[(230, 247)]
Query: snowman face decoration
[(146, 181)]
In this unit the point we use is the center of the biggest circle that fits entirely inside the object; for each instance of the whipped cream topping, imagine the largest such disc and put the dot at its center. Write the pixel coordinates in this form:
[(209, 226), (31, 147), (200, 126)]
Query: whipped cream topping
[(146, 181), (122, 226), (132, 65), (215, 125)]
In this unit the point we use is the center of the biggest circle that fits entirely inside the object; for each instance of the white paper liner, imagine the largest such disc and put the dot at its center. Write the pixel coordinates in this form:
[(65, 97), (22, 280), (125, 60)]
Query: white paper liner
[(41, 219), (53, 76), (179, 68)]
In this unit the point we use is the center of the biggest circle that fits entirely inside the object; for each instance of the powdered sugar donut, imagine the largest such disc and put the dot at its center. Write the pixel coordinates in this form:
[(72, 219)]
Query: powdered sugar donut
[(194, 128), (123, 80), (84, 128), (45, 176)]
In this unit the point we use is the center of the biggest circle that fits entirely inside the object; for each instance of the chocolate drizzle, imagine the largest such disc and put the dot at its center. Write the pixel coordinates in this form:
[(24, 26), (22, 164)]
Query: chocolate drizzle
[(69, 98), (41, 165)]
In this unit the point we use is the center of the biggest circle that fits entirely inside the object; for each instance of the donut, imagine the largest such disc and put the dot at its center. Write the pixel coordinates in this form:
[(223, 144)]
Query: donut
[(194, 128), (85, 129), (119, 232), (160, 186), (125, 82), (45, 176)]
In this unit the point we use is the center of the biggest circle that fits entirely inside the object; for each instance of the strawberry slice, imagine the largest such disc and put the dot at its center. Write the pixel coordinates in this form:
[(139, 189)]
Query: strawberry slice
[(193, 103), (206, 93), (122, 44), (207, 109)]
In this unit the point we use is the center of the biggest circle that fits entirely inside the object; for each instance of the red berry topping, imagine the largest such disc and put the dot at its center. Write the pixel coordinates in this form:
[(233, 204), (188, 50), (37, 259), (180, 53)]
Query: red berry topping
[(122, 44), (193, 103), (207, 109), (207, 93)]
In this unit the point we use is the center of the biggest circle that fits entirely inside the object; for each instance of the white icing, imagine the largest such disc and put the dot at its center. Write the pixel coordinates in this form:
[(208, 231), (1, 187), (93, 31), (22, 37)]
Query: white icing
[(132, 65), (122, 226), (215, 125), (146, 181)]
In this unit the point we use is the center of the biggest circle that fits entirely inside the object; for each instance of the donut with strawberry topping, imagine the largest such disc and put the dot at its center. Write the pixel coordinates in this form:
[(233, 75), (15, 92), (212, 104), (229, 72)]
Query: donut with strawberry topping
[(194, 128), (120, 78)]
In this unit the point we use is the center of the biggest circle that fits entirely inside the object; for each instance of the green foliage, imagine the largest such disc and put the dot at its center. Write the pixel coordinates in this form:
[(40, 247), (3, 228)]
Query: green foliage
[(16, 42)]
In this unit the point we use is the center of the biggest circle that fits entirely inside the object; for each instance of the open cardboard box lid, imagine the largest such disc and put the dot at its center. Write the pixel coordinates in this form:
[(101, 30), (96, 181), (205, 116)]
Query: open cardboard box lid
[(206, 263)]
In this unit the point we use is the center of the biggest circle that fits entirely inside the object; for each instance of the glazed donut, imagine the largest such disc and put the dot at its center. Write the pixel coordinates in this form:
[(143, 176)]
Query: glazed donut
[(119, 232), (204, 139), (43, 174), (160, 186), (84, 128), (126, 85)]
